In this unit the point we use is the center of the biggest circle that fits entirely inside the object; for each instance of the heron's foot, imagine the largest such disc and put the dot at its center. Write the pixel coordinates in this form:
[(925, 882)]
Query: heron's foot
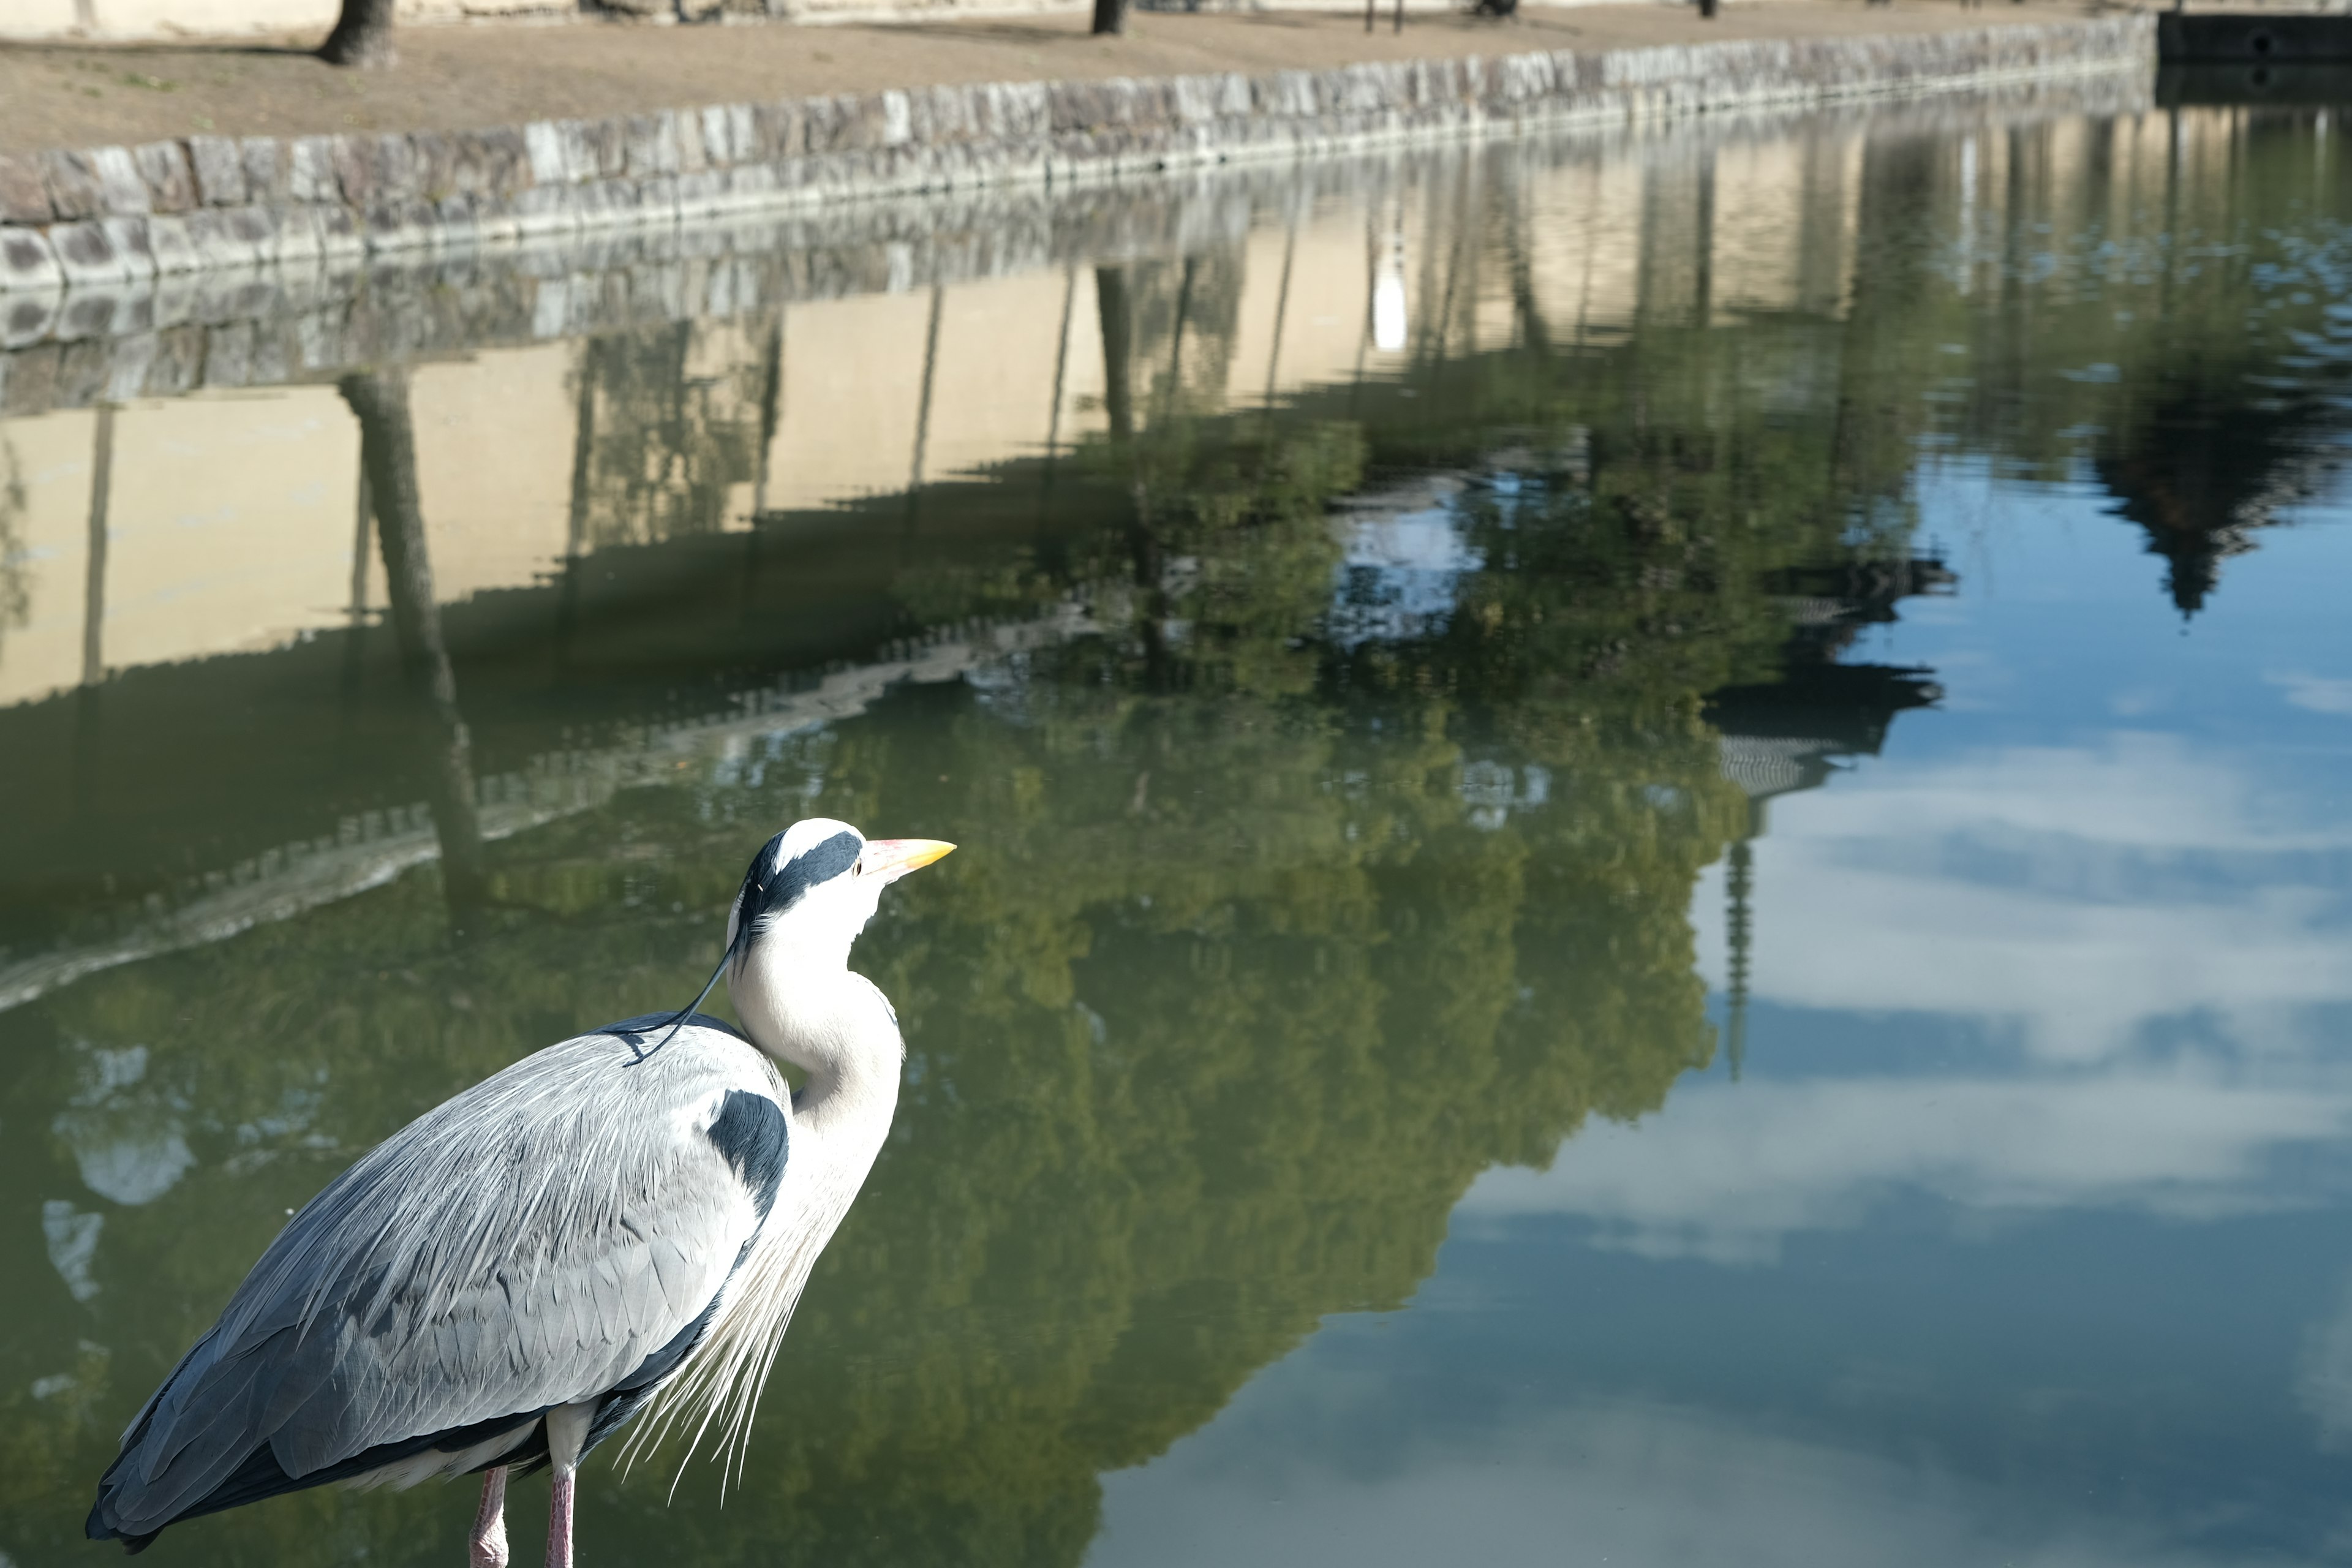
[(486, 1548)]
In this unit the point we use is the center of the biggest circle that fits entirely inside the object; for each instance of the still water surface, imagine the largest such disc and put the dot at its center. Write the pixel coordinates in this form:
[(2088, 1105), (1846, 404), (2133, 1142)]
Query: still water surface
[(1655, 848)]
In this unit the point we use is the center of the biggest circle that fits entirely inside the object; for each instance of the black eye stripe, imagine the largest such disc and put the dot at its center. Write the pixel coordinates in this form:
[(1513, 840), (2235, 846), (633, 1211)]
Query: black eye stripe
[(767, 892)]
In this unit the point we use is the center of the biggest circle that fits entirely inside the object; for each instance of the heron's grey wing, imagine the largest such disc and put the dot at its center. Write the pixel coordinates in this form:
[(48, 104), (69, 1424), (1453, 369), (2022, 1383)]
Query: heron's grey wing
[(543, 1238)]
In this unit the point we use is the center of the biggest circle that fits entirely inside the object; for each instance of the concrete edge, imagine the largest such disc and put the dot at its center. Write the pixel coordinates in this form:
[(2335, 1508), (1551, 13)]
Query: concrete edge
[(108, 215)]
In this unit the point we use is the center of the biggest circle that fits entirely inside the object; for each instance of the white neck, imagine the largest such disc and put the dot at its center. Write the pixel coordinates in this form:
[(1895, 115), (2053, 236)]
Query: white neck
[(800, 1003)]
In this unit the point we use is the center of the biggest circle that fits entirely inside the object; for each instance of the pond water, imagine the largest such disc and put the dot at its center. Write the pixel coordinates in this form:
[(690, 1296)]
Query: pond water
[(1656, 859)]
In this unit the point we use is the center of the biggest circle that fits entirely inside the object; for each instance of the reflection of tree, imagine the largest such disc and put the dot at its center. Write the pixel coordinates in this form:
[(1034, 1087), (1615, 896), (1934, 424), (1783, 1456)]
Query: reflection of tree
[(379, 401), (16, 590)]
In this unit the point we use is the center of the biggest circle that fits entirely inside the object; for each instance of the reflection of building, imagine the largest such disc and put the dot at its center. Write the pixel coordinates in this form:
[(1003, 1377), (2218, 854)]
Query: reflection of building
[(1782, 736)]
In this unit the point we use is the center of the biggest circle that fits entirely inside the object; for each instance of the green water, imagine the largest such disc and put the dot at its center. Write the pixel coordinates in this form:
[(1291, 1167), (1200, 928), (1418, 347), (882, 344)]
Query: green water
[(1682, 919)]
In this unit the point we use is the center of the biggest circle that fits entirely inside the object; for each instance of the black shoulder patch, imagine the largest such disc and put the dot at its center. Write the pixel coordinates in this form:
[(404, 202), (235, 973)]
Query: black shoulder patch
[(751, 1134)]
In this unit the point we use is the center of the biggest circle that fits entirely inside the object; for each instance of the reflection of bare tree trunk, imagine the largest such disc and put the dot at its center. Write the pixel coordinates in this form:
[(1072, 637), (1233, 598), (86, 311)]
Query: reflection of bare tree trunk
[(355, 618), (923, 409), (771, 410), (93, 612), (771, 416), (575, 537), (101, 485), (1053, 418), (1117, 315), (379, 399), (1118, 340)]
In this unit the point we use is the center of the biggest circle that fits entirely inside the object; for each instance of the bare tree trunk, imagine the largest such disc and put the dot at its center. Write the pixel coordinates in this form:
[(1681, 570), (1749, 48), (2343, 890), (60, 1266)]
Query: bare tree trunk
[(1111, 16), (388, 452), (363, 36)]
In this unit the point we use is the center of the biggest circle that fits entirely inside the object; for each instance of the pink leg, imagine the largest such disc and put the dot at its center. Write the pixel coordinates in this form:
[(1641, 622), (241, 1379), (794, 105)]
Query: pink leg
[(487, 1547), (558, 1520)]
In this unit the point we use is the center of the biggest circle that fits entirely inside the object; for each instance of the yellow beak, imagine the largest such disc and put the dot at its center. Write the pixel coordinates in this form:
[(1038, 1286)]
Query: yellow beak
[(892, 858)]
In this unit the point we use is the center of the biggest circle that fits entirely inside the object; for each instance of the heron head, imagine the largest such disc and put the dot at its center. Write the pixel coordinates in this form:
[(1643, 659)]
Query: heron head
[(818, 882)]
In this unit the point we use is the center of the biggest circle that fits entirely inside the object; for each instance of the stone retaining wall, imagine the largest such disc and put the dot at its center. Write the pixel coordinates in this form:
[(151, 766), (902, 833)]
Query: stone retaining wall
[(105, 214)]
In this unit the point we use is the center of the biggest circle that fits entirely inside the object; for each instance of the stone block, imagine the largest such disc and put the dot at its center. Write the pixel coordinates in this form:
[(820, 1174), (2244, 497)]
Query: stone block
[(27, 262), (355, 164), (133, 353), (1518, 80), (228, 354), (779, 130), (547, 209), (607, 144), (1288, 94), (1436, 84), (650, 204), (847, 123), (32, 369), (454, 224), (650, 142), (569, 151), (235, 236), (500, 160), (701, 195), (296, 242), (1150, 104), (493, 163), (311, 173), (494, 220), (942, 114), (729, 135), (753, 188), (685, 129), (433, 165), (597, 206), (411, 224), (164, 171), (1575, 75), (218, 164), (178, 347), (167, 239), (128, 236), (268, 170), (1015, 111), (340, 239), (24, 195), (1075, 106), (75, 191), (542, 141), (93, 316), (89, 313), (86, 254), (402, 167), (26, 318), (122, 193), (1367, 88)]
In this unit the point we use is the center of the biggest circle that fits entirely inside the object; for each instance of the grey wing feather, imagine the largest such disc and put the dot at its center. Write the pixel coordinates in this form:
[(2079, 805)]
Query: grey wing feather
[(527, 1244)]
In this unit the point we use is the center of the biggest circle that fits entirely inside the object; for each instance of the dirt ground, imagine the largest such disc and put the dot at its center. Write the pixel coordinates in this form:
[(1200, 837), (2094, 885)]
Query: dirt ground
[(455, 77)]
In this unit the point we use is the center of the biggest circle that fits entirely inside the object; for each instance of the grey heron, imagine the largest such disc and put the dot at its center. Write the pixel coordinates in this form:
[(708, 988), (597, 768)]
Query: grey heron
[(617, 1224)]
